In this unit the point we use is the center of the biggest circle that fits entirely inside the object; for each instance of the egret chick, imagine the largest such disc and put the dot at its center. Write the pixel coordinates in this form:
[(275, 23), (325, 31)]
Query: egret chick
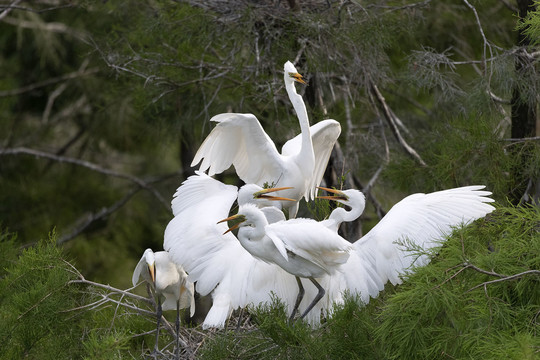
[(169, 281)]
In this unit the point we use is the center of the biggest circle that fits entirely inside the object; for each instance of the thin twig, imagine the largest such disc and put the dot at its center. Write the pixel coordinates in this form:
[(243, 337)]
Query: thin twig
[(511, 277)]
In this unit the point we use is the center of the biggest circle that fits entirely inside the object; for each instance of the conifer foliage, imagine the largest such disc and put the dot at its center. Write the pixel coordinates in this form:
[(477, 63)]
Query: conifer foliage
[(103, 104)]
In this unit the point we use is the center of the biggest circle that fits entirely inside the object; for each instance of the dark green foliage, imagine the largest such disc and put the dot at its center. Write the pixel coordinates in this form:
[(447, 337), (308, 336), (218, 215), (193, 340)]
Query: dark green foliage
[(35, 306), (443, 310)]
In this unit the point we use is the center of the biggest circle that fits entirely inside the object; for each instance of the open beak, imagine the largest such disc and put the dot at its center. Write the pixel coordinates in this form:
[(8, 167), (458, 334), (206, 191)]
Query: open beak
[(297, 77), (263, 194), (234, 217), (340, 195)]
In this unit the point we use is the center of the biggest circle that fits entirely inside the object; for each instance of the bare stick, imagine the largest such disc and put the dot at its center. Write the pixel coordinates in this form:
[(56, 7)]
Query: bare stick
[(391, 119), (511, 277)]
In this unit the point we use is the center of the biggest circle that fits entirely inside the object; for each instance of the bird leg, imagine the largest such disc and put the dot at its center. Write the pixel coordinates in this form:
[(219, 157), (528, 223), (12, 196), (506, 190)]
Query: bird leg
[(159, 313), (298, 298), (240, 319), (178, 329), (319, 296)]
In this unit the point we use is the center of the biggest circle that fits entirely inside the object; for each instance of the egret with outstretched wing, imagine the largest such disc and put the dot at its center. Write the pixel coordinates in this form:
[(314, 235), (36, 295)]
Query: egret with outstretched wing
[(217, 262), (313, 250), (239, 140)]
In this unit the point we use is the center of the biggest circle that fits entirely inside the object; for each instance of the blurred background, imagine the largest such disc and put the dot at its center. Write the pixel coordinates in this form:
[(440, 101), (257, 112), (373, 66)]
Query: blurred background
[(104, 103)]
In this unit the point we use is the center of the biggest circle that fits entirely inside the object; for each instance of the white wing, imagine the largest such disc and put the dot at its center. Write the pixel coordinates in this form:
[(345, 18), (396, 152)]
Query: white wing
[(239, 140), (311, 240), (217, 262), (324, 135), (140, 270), (420, 221)]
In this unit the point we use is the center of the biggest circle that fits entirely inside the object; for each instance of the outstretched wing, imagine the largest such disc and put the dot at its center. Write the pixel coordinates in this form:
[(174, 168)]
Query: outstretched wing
[(417, 224), (216, 261), (324, 135), (239, 140)]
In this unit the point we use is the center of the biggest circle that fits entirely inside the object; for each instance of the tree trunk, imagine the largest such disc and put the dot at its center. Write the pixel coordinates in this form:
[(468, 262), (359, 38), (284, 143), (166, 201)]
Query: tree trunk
[(524, 123)]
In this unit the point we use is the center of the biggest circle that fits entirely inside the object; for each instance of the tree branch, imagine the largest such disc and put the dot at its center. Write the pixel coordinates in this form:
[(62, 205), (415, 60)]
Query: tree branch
[(88, 165), (392, 120)]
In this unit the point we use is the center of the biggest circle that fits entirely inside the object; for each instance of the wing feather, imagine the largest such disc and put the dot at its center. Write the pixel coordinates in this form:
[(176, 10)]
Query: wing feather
[(324, 135), (420, 221), (239, 140), (217, 262)]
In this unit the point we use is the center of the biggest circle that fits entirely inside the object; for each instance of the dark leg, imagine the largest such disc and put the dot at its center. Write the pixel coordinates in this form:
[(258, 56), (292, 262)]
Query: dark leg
[(298, 298), (240, 319), (319, 296), (177, 329), (159, 313)]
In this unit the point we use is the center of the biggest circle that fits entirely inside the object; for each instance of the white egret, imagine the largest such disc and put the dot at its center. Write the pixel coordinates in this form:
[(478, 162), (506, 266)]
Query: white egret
[(302, 247), (418, 223), (239, 140), (169, 282), (310, 249), (217, 262), (354, 199)]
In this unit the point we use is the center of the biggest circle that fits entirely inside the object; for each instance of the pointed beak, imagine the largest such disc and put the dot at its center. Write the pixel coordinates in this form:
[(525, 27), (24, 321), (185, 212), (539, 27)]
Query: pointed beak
[(298, 78), (234, 217), (340, 195), (152, 270), (263, 194)]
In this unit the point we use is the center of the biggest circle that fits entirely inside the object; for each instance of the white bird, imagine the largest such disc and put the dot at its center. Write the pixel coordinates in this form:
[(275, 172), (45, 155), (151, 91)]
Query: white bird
[(169, 282), (216, 261), (239, 140), (352, 198), (400, 241), (310, 249), (304, 248)]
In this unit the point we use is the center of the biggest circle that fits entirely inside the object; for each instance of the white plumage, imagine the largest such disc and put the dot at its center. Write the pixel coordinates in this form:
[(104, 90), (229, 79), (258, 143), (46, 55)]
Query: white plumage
[(310, 249), (217, 261), (239, 140), (167, 278)]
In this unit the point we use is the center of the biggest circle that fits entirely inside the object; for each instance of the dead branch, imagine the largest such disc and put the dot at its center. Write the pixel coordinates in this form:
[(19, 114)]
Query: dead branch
[(30, 87), (8, 8), (391, 119), (86, 164), (505, 278)]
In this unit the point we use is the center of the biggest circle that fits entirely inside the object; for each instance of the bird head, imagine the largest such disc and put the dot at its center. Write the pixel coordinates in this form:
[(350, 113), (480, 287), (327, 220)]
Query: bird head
[(290, 70), (240, 217)]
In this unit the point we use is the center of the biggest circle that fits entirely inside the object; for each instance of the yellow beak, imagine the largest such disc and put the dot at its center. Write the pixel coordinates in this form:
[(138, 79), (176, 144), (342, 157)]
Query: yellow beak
[(297, 77), (263, 194), (237, 216), (151, 269), (340, 195)]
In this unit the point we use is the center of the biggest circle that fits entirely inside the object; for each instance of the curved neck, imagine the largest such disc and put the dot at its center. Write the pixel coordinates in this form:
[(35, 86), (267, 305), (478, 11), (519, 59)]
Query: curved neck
[(340, 214), (301, 112)]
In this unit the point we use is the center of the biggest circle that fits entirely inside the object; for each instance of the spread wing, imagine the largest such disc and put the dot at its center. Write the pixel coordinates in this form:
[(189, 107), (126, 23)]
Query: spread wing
[(324, 135), (216, 261), (239, 140), (417, 224)]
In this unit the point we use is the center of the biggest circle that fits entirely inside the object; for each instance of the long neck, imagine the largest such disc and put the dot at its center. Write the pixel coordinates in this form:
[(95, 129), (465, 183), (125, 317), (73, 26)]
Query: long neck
[(301, 112), (340, 214)]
